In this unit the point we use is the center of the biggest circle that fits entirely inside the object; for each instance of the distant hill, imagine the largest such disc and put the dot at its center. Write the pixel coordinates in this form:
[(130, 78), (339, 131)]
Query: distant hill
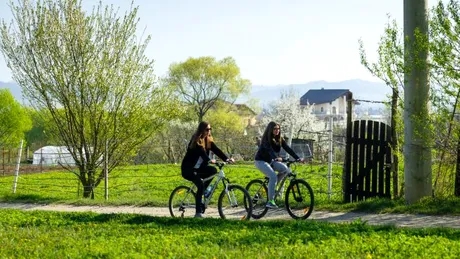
[(361, 89), (364, 90)]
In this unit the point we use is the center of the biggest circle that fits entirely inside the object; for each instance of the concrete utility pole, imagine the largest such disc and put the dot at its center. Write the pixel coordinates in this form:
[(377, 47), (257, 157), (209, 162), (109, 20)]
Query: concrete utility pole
[(417, 143)]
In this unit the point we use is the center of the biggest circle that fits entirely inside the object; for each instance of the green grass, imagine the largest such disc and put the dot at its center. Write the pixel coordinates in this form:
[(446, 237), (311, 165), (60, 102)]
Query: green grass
[(151, 185), (42, 234)]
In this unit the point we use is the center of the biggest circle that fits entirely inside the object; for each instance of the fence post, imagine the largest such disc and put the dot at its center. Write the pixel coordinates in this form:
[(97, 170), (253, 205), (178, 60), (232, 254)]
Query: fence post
[(329, 164), (346, 174), (41, 160), (106, 171), (16, 172)]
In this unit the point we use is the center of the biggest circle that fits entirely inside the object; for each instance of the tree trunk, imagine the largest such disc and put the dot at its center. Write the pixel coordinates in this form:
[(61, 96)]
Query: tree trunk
[(457, 172), (417, 148), (394, 140), (88, 191), (88, 182)]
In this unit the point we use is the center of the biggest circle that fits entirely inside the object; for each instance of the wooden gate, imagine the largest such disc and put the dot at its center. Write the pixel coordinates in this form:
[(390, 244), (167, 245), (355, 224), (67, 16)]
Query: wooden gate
[(367, 171)]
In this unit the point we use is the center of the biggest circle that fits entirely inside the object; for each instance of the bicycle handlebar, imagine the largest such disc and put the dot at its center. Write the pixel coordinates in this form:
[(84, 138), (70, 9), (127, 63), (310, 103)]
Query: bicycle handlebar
[(289, 162), (221, 164)]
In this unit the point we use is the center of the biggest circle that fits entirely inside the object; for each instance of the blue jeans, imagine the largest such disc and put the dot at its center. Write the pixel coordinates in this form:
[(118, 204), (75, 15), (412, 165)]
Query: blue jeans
[(269, 171)]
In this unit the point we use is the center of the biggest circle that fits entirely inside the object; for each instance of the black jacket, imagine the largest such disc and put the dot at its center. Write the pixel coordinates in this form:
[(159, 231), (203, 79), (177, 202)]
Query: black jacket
[(267, 151), (193, 154)]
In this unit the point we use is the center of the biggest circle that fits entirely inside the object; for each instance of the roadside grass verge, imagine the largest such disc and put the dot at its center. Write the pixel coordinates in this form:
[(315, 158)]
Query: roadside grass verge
[(45, 234)]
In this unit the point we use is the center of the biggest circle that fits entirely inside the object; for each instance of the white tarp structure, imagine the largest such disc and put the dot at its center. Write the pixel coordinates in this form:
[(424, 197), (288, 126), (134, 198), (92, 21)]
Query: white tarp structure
[(53, 155)]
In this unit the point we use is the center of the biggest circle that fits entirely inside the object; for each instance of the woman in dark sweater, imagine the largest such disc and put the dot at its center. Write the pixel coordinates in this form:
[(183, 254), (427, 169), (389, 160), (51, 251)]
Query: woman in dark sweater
[(195, 165), (268, 161)]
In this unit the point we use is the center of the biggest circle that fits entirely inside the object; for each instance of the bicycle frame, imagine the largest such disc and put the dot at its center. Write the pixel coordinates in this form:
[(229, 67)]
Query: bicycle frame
[(291, 176), (219, 178)]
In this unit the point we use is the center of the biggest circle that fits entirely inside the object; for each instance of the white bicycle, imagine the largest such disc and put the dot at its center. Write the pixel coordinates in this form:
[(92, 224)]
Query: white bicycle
[(234, 201)]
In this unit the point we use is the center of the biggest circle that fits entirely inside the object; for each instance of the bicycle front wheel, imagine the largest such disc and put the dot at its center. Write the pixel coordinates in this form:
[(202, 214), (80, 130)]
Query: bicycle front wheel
[(299, 199), (182, 202), (235, 203), (259, 196)]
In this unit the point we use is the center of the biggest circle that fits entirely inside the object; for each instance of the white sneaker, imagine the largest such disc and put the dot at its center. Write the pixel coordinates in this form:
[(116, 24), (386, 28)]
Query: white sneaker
[(199, 215)]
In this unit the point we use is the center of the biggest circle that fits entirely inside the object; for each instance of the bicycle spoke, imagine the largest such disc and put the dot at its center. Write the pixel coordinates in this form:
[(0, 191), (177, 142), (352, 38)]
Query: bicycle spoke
[(182, 202), (234, 203), (299, 199), (258, 192)]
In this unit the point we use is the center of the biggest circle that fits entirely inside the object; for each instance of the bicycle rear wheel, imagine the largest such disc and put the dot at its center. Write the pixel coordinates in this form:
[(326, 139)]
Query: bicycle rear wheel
[(182, 202), (235, 203), (259, 196), (299, 199)]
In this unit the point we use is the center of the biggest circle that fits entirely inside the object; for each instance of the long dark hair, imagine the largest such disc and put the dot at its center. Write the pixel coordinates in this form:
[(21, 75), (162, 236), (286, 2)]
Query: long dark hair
[(200, 137), (269, 137)]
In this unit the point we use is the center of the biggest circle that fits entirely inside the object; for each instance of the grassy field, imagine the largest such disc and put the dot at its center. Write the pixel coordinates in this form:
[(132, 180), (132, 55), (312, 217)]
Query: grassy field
[(139, 185), (151, 185), (40, 234)]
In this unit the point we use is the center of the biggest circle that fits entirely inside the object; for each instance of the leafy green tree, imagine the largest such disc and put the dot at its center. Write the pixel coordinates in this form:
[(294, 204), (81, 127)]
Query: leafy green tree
[(14, 120), (390, 69), (90, 72), (170, 144), (445, 53), (41, 133), (200, 82), (228, 127)]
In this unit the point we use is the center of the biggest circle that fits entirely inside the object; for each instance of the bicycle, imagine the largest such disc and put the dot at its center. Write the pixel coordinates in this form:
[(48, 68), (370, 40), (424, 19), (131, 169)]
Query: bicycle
[(299, 199), (234, 201)]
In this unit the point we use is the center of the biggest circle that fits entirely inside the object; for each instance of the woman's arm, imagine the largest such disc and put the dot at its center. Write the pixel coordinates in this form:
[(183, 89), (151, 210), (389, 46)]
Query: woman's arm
[(289, 150), (218, 152)]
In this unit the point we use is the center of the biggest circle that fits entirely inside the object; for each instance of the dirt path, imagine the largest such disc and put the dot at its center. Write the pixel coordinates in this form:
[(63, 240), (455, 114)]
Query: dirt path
[(399, 220)]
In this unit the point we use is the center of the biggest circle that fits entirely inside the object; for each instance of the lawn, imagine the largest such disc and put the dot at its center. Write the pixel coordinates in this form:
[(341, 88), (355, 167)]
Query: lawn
[(42, 234), (151, 185)]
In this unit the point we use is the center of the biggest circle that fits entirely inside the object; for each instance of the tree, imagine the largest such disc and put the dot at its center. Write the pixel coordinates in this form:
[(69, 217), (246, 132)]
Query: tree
[(171, 142), (296, 121), (41, 132), (200, 82), (390, 69), (14, 120), (417, 141), (90, 72), (445, 47), (228, 128)]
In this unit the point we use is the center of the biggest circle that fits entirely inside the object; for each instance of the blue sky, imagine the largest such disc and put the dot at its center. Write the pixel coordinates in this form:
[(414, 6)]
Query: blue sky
[(272, 41)]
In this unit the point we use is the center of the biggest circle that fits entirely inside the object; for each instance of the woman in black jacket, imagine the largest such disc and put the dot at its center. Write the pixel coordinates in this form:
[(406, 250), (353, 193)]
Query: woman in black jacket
[(268, 161), (195, 165)]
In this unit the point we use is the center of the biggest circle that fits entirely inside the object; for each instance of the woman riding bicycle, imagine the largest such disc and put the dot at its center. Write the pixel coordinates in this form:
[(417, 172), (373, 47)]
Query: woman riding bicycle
[(195, 165), (268, 161)]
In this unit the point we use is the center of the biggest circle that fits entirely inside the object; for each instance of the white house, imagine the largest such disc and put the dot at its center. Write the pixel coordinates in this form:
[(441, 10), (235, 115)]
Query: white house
[(53, 155), (327, 102)]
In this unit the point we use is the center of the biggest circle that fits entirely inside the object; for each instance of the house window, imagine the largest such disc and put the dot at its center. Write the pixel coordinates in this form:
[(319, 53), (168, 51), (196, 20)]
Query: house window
[(334, 110), (322, 109)]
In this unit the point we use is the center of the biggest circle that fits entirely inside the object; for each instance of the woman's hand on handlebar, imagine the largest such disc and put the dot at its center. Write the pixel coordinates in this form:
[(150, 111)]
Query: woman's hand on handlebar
[(213, 161), (301, 160)]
